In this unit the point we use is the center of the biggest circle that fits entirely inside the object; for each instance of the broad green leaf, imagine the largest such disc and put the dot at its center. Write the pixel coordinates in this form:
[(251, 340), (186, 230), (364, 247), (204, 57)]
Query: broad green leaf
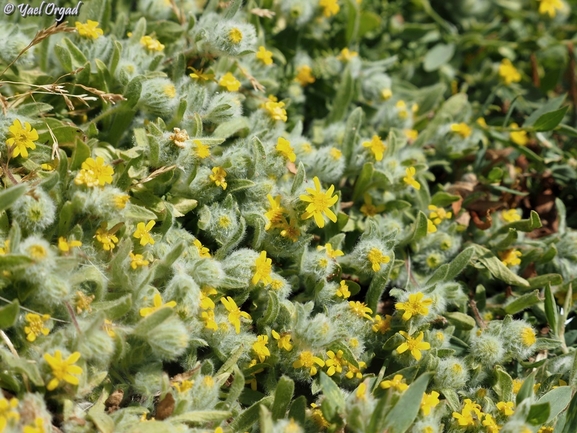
[(282, 397), (10, 195), (379, 284), (538, 413), (571, 420), (549, 121), (116, 308), (523, 302), (334, 401), (443, 199), (402, 415), (549, 106), (298, 409), (558, 400), (528, 225), (439, 55), (526, 389), (363, 181), (352, 130), (420, 228), (504, 385), (250, 416), (497, 268), (544, 280), (9, 314), (146, 325), (460, 320), (551, 310)]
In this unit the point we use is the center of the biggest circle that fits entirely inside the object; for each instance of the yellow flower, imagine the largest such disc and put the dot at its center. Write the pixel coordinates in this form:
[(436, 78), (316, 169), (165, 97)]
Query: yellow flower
[(260, 349), (94, 172), (410, 178), (346, 55), (509, 74), (360, 309), (218, 176), (107, 239), (491, 425), (22, 138), (517, 383), (283, 341), (438, 214), (416, 305), (544, 430), (36, 326), (89, 29), (510, 257), (528, 336), (333, 254), (382, 325), (470, 414), (431, 227), (411, 134), (319, 203), (209, 320), (137, 260), (283, 146), (429, 401), (335, 153), (157, 305), (376, 146), (275, 109), (368, 208), (199, 75), (308, 360), (63, 369), (506, 408), (183, 386), (234, 312), (361, 391), (169, 90), (318, 417), (65, 246), (38, 426), (151, 44), (518, 137), (6, 248), (202, 251), (401, 107), (398, 383), (550, 7), (143, 233), (235, 35), (335, 362), (230, 82), (376, 257), (354, 372), (343, 290), (262, 272), (275, 215), (462, 129), (108, 327), (386, 94), (83, 302), (120, 200), (305, 75), (290, 230), (414, 345), (200, 149), (264, 55), (8, 412), (510, 215), (330, 7)]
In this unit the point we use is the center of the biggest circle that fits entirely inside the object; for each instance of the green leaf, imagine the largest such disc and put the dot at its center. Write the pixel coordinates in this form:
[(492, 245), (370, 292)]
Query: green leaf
[(266, 421), (103, 422), (558, 399), (379, 284), (22, 366), (504, 385), (460, 320), (231, 127), (9, 314), (352, 128), (80, 154), (342, 99), (272, 310), (551, 310), (13, 262), (544, 280), (116, 308), (571, 420), (526, 389), (78, 57), (232, 360), (439, 55), (363, 181), (10, 195), (298, 409), (549, 121), (421, 226), (249, 417), (444, 199), (538, 413), (139, 213), (549, 106), (146, 325), (523, 302), (63, 55), (282, 397), (497, 268), (334, 401), (402, 415), (528, 225)]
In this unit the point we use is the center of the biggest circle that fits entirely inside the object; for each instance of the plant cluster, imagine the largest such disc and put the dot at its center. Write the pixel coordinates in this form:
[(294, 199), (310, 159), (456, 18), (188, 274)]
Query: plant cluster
[(289, 216)]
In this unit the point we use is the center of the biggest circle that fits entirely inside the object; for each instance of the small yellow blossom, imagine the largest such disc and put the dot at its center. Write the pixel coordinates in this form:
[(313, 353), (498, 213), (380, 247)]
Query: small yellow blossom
[(319, 203), (230, 82), (142, 232), (490, 424), (509, 74), (335, 362), (120, 201), (200, 149), (83, 302), (65, 246), (308, 360), (346, 55), (377, 258), (218, 176), (429, 401), (411, 134), (89, 30), (550, 7), (482, 122), (354, 372), (108, 327), (398, 383), (506, 408), (260, 349), (318, 417), (6, 248), (517, 384), (305, 75), (343, 290), (209, 320), (544, 429), (94, 172), (470, 414), (157, 305), (330, 7), (36, 326), (151, 44), (8, 412), (414, 345), (376, 146), (335, 153), (431, 227), (106, 238), (331, 253), (290, 230), (63, 369), (275, 109), (283, 341), (183, 386), (528, 336), (382, 325), (510, 215), (361, 391), (368, 208), (202, 250), (264, 55), (410, 178), (438, 214), (416, 305), (137, 260), (22, 138), (510, 257), (283, 146), (401, 107), (517, 136), (234, 313), (275, 215), (360, 309), (386, 94), (462, 129), (199, 75), (235, 35), (38, 426), (262, 271)]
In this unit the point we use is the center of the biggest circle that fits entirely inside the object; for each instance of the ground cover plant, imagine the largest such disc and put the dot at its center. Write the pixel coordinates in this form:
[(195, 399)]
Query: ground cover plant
[(289, 216)]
